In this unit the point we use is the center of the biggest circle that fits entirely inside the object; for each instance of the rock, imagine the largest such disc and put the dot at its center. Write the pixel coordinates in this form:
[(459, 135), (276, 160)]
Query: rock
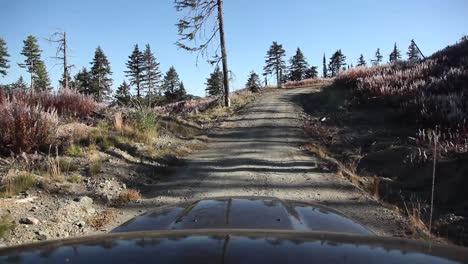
[(40, 235), (85, 200), (80, 223), (90, 211), (29, 221)]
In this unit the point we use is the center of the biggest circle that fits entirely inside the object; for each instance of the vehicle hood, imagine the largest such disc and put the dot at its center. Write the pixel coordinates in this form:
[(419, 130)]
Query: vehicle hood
[(245, 213)]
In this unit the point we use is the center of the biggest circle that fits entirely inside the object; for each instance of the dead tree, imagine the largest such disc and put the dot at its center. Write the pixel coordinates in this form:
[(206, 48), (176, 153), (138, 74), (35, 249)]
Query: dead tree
[(200, 16), (60, 38)]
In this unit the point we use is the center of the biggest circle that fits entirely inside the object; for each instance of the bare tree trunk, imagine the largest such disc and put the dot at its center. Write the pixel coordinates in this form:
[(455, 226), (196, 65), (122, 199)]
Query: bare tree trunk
[(227, 101), (32, 76), (65, 66)]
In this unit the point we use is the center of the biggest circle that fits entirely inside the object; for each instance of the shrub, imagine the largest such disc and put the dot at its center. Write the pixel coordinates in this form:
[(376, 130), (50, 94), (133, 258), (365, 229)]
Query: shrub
[(6, 224), (75, 150), (306, 82), (95, 167), (64, 102), (128, 196), (25, 127)]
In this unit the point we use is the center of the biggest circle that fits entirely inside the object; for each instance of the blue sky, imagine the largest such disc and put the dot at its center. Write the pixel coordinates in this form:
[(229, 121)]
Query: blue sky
[(317, 27)]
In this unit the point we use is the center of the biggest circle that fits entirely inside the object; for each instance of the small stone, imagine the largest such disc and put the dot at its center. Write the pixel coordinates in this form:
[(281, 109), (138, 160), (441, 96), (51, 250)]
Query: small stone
[(90, 211), (40, 235), (85, 200), (29, 221), (80, 223)]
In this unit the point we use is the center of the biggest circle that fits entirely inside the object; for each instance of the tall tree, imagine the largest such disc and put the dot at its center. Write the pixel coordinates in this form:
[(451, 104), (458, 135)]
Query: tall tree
[(324, 67), (311, 73), (151, 76), (378, 58), (171, 85), (136, 66), (82, 81), (214, 84), (274, 62), (413, 53), (337, 63), (253, 83), (4, 58), (122, 95), (298, 66), (34, 65), (101, 80), (361, 61), (395, 55), (192, 26)]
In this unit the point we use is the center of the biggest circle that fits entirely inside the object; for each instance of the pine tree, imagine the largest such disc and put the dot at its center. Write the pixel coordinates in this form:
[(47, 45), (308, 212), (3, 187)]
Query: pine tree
[(151, 75), (101, 80), (361, 61), (298, 66), (413, 52), (214, 84), (253, 83), (311, 73), (34, 65), (42, 81), (395, 55), (181, 93), (82, 81), (378, 58), (122, 95), (3, 58), (20, 84), (337, 63), (275, 63), (171, 85), (324, 67), (135, 65)]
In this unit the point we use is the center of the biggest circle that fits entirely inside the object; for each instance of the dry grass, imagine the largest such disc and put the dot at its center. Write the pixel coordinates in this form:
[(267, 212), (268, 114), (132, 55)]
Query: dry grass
[(6, 224), (416, 223), (101, 219), (307, 83), (128, 196), (16, 182)]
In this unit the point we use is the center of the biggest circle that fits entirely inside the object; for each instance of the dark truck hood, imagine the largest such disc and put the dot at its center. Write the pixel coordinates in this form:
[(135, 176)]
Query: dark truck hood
[(245, 213), (233, 246)]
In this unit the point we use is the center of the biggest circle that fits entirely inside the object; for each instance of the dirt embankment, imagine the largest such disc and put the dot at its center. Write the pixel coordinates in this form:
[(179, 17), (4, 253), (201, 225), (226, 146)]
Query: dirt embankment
[(378, 146)]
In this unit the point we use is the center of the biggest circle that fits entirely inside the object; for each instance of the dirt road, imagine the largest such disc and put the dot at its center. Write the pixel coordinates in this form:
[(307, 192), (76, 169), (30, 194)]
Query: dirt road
[(259, 152)]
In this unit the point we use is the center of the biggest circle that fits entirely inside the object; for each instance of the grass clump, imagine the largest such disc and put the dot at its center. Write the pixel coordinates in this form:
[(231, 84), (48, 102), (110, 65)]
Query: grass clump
[(76, 179), (75, 150), (16, 182), (6, 224)]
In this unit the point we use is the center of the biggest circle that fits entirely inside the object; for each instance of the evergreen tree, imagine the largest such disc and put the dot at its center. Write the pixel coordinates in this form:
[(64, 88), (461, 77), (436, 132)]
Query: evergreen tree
[(19, 84), (337, 63), (311, 73), (413, 52), (181, 93), (298, 66), (324, 67), (171, 85), (378, 58), (82, 82), (101, 80), (34, 65), (253, 83), (42, 81), (395, 55), (151, 75), (122, 95), (3, 58), (214, 84), (275, 63), (361, 61), (135, 65)]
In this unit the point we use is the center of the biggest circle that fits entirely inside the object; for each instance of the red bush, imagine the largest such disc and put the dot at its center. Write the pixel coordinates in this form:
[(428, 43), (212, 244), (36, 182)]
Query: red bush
[(25, 127), (306, 82)]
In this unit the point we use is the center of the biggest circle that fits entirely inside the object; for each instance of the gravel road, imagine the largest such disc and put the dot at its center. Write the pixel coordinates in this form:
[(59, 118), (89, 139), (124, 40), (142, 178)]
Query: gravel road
[(259, 153)]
